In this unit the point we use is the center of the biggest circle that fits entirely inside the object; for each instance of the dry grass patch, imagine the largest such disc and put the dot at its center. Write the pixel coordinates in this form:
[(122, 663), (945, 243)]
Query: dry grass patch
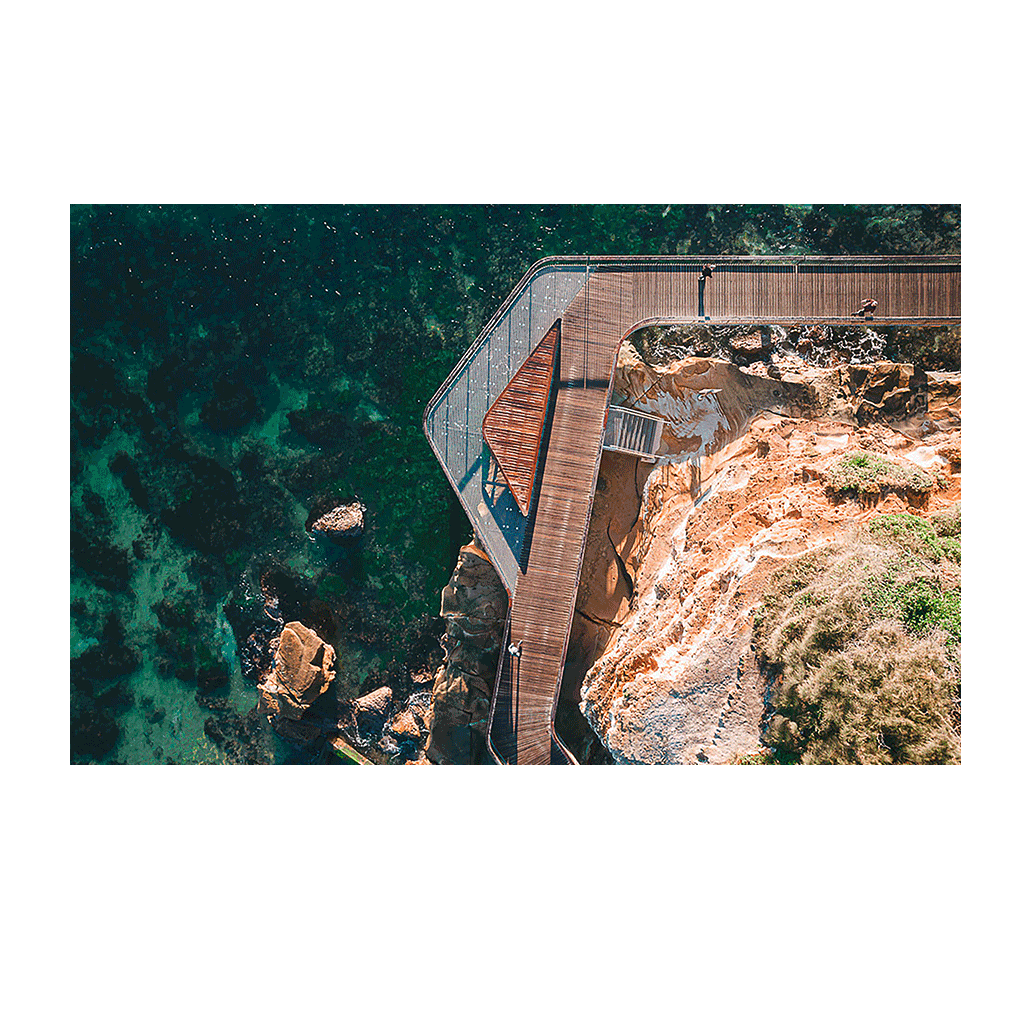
[(862, 646)]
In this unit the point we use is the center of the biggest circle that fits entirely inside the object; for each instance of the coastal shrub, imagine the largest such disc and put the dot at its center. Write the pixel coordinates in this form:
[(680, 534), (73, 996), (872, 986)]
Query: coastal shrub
[(861, 646), (926, 608), (864, 473), (947, 530), (918, 535), (762, 756), (924, 603), (947, 522)]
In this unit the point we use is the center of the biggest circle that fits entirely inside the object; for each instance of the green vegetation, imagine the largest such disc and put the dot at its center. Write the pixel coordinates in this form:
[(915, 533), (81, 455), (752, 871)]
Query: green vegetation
[(931, 539), (867, 473), (763, 756), (862, 644), (332, 586)]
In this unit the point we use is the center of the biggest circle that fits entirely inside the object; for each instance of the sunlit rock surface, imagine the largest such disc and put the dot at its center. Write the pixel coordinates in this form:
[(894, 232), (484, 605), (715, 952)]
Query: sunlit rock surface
[(301, 673), (342, 523), (680, 552)]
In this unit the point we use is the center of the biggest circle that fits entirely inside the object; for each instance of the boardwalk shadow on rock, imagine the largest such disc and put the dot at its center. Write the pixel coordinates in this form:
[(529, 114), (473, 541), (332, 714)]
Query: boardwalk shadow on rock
[(598, 302)]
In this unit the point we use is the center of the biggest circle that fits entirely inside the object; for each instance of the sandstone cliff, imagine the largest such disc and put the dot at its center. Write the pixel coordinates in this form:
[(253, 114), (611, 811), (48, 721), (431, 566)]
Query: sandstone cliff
[(681, 552), (765, 457), (474, 604)]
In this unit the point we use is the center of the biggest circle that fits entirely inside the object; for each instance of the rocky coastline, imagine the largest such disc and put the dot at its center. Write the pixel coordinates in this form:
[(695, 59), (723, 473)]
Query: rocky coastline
[(662, 664), (239, 373)]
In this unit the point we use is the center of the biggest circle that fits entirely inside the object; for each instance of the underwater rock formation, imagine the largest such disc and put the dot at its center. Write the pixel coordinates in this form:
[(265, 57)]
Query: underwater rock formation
[(233, 405), (341, 523)]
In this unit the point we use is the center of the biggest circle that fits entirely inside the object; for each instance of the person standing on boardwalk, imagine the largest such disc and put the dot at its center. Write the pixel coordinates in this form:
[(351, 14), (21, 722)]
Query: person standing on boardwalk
[(705, 273), (868, 309)]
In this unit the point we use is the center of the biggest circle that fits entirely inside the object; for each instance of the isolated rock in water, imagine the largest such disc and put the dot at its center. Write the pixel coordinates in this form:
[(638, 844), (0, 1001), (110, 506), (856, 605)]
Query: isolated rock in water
[(302, 672), (341, 523)]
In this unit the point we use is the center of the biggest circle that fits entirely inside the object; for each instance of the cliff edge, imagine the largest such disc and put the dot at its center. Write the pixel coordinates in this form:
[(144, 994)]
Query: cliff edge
[(761, 466)]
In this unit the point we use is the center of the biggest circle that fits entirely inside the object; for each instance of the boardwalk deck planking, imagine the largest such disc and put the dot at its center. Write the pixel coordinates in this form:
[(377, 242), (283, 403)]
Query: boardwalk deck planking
[(598, 302)]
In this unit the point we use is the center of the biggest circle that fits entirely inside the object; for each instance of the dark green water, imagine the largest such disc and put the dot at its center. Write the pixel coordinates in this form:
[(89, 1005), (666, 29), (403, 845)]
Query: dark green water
[(235, 367)]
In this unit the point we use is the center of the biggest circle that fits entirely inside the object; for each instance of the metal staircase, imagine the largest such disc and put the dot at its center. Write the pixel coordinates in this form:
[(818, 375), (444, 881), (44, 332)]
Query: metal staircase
[(631, 431)]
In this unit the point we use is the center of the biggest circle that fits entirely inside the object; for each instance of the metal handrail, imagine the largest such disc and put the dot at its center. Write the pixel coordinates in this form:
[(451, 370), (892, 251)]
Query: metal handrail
[(628, 260), (636, 413), (496, 690), (515, 295)]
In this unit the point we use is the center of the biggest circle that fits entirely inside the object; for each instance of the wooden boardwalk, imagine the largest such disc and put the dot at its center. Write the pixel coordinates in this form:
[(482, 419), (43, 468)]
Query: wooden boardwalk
[(618, 295)]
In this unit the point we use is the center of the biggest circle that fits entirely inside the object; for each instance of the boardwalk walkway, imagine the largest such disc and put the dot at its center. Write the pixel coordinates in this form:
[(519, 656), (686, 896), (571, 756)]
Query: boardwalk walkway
[(598, 302)]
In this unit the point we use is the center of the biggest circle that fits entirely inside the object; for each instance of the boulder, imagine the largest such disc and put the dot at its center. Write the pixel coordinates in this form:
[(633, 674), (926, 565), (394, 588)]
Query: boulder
[(341, 523), (884, 391), (405, 726), (370, 710), (301, 673), (750, 347)]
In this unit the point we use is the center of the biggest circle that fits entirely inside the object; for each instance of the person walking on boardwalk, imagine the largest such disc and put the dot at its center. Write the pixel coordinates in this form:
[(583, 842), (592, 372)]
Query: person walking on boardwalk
[(867, 310), (705, 273)]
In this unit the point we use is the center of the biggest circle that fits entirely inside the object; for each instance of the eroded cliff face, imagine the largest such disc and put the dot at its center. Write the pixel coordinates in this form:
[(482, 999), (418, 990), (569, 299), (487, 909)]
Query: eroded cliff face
[(474, 604), (680, 552)]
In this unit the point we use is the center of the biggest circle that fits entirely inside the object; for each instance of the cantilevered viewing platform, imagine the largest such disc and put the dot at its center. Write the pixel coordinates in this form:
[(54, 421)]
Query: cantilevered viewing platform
[(519, 423)]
